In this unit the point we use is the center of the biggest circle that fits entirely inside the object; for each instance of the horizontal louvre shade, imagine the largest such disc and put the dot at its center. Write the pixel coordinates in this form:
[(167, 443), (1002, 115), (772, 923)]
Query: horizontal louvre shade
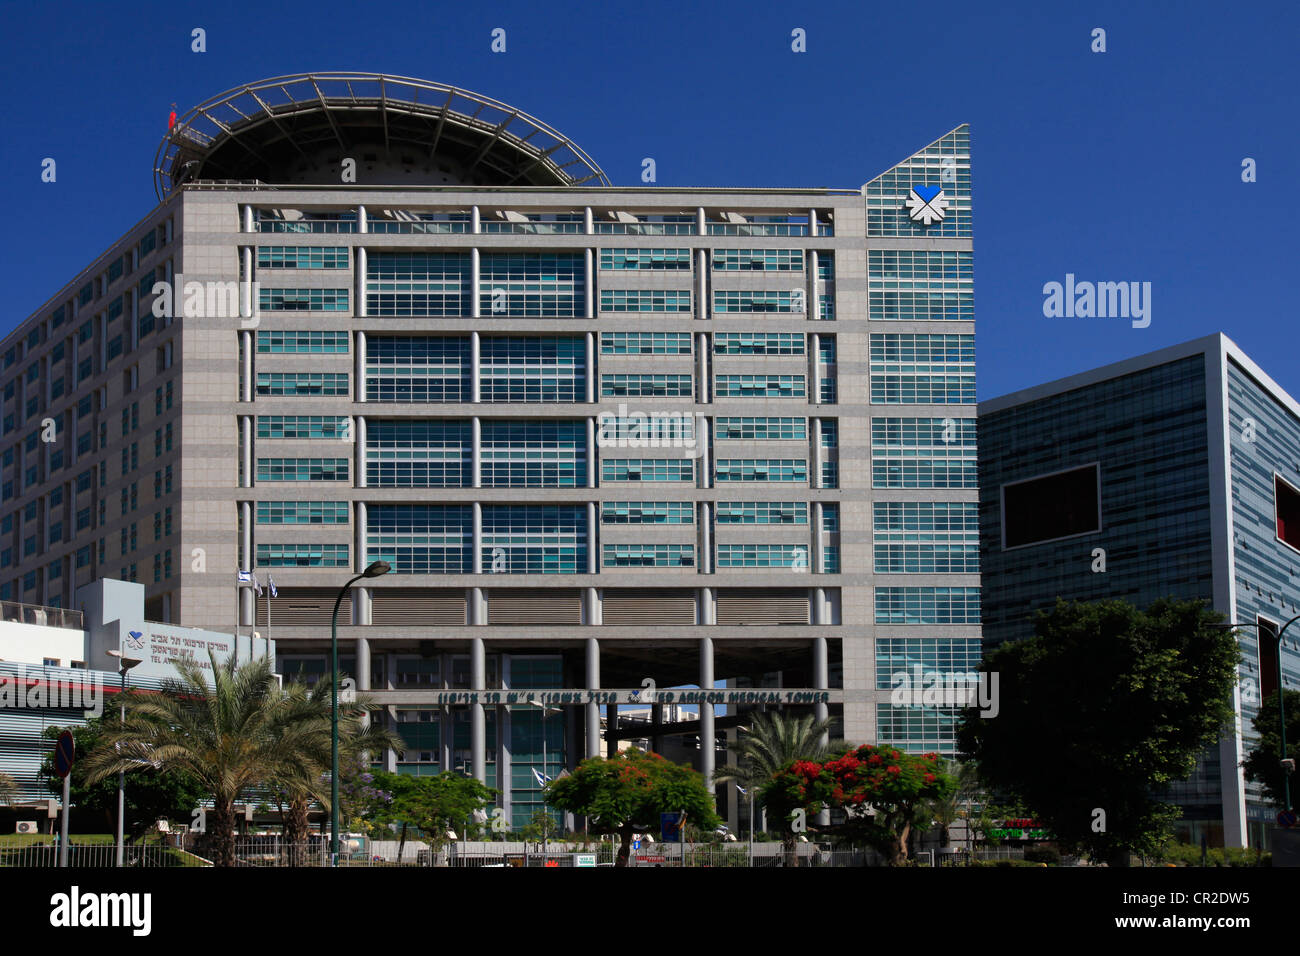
[(647, 606), (558, 606), (763, 606), (417, 606), (305, 606)]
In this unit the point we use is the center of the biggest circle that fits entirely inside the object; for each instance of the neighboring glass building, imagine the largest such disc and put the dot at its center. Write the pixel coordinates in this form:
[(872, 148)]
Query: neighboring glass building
[(602, 434), (1183, 466)]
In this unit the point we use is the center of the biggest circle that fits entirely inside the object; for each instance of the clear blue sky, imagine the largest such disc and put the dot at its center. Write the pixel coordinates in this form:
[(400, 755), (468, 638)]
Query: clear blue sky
[(1123, 165)]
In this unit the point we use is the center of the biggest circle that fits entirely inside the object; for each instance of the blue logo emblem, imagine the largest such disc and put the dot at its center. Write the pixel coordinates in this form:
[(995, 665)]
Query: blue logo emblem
[(135, 640), (926, 204)]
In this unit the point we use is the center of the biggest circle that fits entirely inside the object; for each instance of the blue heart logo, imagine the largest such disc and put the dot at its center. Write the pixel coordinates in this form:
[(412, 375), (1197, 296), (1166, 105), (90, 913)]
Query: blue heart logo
[(136, 634), (927, 192)]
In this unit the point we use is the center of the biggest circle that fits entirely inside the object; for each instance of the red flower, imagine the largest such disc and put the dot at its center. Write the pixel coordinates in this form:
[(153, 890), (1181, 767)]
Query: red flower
[(930, 778), (874, 760), (894, 770)]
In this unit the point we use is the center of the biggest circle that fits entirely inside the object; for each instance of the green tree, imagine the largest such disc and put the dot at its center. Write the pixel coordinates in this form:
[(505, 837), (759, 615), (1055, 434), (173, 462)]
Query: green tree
[(627, 793), (773, 742), (1263, 762), (1105, 704), (150, 793), (231, 734), (541, 826), (434, 805)]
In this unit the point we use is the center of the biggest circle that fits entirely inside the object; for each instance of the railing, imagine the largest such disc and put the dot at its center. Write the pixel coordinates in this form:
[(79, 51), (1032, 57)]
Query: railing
[(757, 229), (96, 855), (534, 228), (305, 225), (645, 229), (427, 227), (16, 613)]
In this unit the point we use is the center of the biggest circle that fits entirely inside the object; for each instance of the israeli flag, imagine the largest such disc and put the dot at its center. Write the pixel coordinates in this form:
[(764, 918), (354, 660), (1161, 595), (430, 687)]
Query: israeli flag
[(245, 577), (542, 779), (743, 791), (257, 586), (270, 583)]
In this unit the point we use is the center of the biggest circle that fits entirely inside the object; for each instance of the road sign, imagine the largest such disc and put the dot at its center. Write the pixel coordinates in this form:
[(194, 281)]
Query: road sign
[(1286, 818), (64, 751), (670, 827), (636, 844), (584, 859)]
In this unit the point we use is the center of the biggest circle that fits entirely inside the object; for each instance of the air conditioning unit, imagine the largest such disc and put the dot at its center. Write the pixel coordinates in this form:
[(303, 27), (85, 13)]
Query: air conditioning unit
[(27, 826)]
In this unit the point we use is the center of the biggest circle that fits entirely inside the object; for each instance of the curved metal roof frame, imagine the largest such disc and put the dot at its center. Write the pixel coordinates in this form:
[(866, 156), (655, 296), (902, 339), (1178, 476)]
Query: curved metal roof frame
[(250, 117)]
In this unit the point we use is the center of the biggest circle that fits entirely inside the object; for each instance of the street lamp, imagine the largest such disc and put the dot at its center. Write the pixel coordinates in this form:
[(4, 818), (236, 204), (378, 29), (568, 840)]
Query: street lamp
[(373, 571), (1281, 708), (124, 664), (547, 710)]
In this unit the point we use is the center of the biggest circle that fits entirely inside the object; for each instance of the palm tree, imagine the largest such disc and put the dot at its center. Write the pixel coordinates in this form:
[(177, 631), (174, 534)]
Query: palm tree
[(234, 734), (772, 744), (306, 780), (947, 810), (8, 789)]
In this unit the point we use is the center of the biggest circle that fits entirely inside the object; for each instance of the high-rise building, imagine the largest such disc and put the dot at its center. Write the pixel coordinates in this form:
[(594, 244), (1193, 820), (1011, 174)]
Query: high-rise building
[(604, 435), (1173, 474)]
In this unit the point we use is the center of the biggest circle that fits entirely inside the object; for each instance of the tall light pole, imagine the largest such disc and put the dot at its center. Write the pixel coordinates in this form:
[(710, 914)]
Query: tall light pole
[(373, 571), (124, 664), (547, 710), (1281, 707)]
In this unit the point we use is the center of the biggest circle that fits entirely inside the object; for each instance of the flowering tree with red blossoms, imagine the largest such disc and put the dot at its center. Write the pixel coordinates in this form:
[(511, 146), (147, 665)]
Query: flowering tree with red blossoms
[(879, 787)]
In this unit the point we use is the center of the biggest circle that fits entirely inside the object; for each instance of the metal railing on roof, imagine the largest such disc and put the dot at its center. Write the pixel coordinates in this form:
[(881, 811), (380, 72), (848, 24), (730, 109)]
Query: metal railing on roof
[(14, 612)]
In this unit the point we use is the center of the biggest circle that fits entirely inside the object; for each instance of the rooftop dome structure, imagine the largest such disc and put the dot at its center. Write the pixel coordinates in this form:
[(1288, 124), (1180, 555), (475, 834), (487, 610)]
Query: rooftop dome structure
[(400, 131)]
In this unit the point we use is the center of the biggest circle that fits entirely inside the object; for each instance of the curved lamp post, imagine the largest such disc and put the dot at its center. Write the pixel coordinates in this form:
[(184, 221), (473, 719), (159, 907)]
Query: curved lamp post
[(1281, 709), (373, 571)]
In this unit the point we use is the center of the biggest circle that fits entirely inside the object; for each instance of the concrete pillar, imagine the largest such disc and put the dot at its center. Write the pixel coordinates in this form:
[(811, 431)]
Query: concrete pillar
[(814, 301), (246, 596), (475, 277), (360, 465), (475, 221), (589, 369), (703, 426), (592, 709), (594, 611), (821, 681), (476, 391), (363, 224), (818, 551), (476, 452), (477, 720), (477, 607), (361, 306), (588, 285), (708, 753), (246, 339), (363, 661), (708, 606), (593, 545), (815, 479), (359, 390), (702, 283), (702, 369), (591, 452), (476, 543), (705, 563), (588, 222), (362, 524), (246, 448), (246, 302)]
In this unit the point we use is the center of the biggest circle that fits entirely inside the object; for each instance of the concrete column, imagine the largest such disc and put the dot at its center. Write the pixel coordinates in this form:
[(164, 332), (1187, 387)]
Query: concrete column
[(247, 340), (363, 264), (703, 427), (476, 452), (588, 222), (593, 545), (589, 368), (815, 479), (594, 610), (246, 288), (246, 595), (708, 606), (592, 709), (702, 282), (814, 376), (475, 221), (476, 391), (362, 532), (588, 285), (477, 607), (701, 223), (361, 452), (702, 368), (591, 452), (705, 563), (248, 219), (477, 721), (818, 552), (359, 390), (363, 660), (814, 303), (246, 448), (821, 681), (477, 542), (363, 224), (708, 754), (475, 276)]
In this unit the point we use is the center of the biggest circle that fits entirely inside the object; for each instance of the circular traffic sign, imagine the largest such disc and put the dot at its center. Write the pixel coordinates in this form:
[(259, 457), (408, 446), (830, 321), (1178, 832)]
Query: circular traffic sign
[(64, 751), (1286, 818)]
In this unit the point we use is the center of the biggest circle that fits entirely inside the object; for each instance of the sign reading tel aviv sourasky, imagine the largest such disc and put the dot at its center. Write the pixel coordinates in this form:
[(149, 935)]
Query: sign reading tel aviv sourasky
[(926, 204)]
